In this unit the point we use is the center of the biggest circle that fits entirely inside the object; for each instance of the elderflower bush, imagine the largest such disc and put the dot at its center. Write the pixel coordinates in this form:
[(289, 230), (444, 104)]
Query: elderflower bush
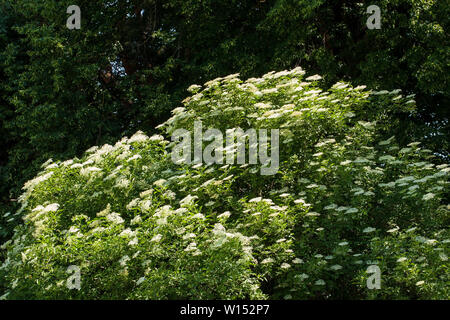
[(346, 196)]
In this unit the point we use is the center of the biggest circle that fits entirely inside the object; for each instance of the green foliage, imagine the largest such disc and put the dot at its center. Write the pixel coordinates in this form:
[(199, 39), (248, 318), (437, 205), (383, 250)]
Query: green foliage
[(347, 195), (64, 90)]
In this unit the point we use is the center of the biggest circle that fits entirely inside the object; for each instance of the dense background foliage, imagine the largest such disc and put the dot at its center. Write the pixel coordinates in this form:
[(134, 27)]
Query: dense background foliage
[(346, 196), (62, 91)]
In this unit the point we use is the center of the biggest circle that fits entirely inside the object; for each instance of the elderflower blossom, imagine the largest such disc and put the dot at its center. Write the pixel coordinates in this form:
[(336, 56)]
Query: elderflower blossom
[(115, 218), (156, 238)]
